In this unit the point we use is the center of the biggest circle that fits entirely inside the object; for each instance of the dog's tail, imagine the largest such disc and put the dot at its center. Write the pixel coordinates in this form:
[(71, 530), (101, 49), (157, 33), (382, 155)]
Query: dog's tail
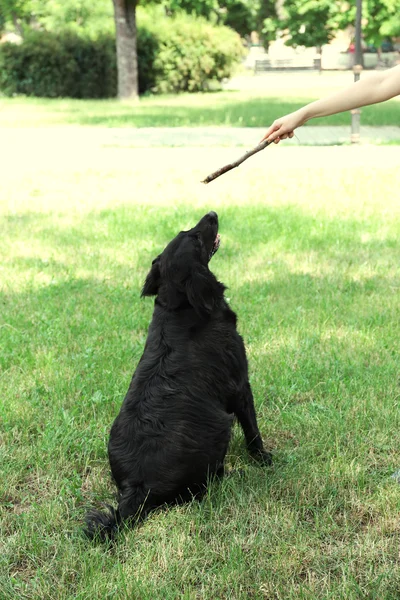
[(102, 526)]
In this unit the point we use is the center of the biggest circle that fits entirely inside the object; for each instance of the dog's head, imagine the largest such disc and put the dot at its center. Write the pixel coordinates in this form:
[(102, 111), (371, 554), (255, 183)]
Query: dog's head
[(180, 275)]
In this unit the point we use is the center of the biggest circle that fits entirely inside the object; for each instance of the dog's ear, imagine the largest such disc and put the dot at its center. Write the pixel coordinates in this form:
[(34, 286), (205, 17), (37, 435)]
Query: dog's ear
[(152, 282), (203, 290)]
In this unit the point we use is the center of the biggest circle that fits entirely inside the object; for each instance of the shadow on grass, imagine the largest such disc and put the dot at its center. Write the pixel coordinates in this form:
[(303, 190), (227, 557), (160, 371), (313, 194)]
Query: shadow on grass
[(324, 398), (249, 112), (228, 108), (247, 229), (82, 335), (246, 113)]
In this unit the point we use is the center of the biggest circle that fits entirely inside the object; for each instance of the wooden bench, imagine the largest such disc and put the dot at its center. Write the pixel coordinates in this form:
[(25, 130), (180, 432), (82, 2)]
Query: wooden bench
[(262, 65)]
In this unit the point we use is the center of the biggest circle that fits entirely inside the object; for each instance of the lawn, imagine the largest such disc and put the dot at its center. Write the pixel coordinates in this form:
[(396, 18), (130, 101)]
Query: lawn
[(263, 100), (311, 252)]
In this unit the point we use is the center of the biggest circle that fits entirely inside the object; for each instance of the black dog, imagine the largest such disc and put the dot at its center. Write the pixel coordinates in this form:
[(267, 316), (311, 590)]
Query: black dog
[(174, 427)]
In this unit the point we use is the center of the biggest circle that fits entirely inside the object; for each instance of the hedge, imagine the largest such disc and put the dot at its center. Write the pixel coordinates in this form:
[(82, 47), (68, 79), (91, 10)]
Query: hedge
[(189, 53), (174, 54), (54, 66)]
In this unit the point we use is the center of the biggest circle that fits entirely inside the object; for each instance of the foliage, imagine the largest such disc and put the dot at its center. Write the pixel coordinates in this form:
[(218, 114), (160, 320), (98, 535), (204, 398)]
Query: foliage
[(13, 12), (266, 21), (240, 15), (54, 66), (11, 9), (77, 16), (52, 15), (96, 18), (204, 8), (315, 22), (147, 49), (183, 56), (309, 22), (381, 20), (190, 53)]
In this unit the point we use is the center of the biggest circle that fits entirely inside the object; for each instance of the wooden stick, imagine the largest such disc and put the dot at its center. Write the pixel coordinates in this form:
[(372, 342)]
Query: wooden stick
[(238, 162)]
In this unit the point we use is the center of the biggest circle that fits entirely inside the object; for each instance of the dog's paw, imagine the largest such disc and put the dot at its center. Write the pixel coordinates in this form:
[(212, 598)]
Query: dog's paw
[(235, 473), (263, 457)]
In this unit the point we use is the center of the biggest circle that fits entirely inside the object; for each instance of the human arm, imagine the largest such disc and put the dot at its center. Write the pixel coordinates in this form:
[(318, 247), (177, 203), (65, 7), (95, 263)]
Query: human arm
[(376, 87)]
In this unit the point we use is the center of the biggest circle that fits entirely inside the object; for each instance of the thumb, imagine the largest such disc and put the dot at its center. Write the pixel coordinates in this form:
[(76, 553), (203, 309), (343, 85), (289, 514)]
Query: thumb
[(272, 133)]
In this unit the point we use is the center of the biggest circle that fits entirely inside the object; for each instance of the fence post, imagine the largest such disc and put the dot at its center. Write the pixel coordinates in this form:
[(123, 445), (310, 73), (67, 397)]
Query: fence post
[(357, 68), (356, 112)]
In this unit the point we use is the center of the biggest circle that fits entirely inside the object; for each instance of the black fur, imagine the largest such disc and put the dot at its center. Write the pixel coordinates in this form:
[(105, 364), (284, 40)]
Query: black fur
[(174, 427)]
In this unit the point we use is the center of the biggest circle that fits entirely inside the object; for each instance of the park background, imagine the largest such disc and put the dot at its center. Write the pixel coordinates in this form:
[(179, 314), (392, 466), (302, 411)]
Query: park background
[(93, 186)]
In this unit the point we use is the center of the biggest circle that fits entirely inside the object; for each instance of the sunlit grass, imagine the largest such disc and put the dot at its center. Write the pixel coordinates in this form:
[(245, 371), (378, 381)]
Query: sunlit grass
[(256, 107), (310, 252)]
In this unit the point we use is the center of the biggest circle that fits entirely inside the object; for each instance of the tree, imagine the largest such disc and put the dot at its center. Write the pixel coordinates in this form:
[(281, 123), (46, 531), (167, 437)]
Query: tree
[(240, 15), (126, 40), (309, 22), (268, 13), (15, 12), (78, 16), (203, 8), (380, 20), (315, 22)]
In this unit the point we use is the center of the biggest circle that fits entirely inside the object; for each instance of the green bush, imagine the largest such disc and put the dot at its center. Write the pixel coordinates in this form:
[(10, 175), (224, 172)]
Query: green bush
[(52, 66), (147, 48), (189, 53), (174, 54)]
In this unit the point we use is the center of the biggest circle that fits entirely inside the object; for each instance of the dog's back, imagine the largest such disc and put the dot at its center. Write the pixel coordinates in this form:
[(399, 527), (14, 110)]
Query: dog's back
[(173, 430)]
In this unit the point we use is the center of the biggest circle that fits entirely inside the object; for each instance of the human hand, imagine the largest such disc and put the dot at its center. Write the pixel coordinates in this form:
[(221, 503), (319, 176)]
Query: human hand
[(284, 127)]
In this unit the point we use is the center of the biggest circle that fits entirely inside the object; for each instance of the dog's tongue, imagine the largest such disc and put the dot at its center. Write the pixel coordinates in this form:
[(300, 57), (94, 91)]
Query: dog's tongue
[(215, 247), (217, 242)]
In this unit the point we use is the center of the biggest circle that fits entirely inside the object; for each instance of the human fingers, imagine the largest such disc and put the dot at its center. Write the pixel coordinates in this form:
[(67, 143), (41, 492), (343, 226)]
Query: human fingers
[(284, 136), (285, 126), (272, 132)]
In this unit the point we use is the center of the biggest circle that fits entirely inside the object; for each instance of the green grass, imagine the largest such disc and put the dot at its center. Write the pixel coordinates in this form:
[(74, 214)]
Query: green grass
[(311, 258), (254, 108)]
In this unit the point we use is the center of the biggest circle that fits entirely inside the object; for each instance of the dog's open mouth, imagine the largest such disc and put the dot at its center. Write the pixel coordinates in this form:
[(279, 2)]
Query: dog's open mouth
[(216, 244)]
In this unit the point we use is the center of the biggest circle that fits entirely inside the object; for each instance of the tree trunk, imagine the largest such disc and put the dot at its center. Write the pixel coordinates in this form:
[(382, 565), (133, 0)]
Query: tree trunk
[(318, 50), (17, 25), (125, 29)]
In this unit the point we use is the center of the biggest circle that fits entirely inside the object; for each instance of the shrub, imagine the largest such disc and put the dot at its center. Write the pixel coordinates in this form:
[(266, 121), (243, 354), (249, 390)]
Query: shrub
[(189, 53), (52, 66), (174, 54), (147, 48)]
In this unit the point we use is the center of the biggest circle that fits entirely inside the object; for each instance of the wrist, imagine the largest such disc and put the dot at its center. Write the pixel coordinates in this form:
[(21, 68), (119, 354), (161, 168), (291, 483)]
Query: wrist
[(305, 114)]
